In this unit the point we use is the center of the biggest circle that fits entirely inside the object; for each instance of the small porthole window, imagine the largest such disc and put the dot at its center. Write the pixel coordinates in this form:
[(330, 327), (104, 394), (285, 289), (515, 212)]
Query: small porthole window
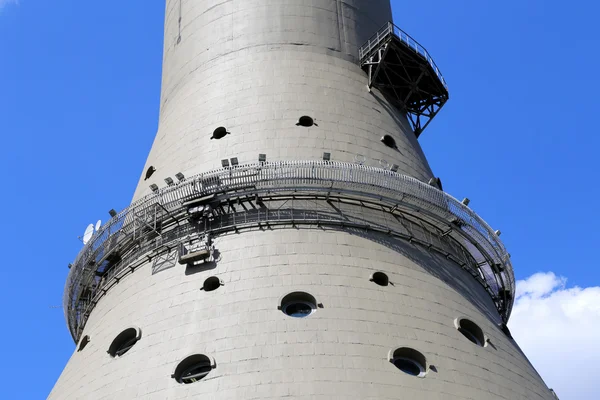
[(471, 331), (193, 368), (212, 283), (219, 133), (149, 172), (124, 342), (306, 121), (380, 279), (298, 304), (389, 141), (409, 361), (84, 342)]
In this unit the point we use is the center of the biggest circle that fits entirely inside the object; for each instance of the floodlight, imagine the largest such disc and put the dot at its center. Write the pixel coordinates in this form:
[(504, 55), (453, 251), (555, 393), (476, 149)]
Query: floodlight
[(154, 187), (112, 212), (466, 201), (225, 163), (169, 180), (179, 176), (262, 158), (234, 161), (326, 156)]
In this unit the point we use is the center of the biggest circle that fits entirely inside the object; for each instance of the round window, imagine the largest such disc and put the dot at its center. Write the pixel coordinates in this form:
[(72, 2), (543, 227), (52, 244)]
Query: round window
[(84, 342), (471, 331), (380, 278), (212, 283), (124, 342), (219, 133), (408, 366), (389, 141), (298, 309), (193, 369), (298, 305), (305, 121), (409, 361)]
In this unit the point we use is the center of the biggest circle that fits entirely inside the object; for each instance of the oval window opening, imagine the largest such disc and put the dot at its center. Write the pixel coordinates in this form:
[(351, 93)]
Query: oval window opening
[(149, 172), (389, 141), (380, 279), (408, 366), (212, 283), (471, 331), (219, 133), (409, 361), (305, 121), (84, 342), (298, 305), (124, 342), (193, 369)]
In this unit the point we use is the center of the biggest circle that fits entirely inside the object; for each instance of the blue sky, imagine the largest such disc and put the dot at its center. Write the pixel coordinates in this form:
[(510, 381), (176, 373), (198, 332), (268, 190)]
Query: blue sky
[(79, 96)]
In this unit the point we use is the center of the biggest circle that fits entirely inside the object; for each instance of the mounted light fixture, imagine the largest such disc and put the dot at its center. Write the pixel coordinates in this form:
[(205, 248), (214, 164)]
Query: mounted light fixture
[(234, 161), (112, 212), (262, 158), (326, 156), (466, 201), (169, 180), (180, 177), (225, 163), (154, 187)]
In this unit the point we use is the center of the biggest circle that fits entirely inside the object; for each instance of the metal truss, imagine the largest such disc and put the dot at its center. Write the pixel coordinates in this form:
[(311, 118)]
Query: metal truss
[(229, 199), (406, 74)]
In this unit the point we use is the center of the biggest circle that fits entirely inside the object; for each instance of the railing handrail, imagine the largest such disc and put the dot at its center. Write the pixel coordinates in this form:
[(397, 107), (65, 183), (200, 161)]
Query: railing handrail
[(294, 174), (391, 29)]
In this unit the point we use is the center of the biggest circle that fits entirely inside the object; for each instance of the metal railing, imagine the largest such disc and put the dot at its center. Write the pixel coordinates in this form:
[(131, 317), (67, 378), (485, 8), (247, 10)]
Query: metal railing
[(138, 226), (385, 34)]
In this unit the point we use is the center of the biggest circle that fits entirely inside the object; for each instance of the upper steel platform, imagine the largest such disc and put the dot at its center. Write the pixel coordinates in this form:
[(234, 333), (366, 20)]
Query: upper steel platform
[(284, 194), (405, 73)]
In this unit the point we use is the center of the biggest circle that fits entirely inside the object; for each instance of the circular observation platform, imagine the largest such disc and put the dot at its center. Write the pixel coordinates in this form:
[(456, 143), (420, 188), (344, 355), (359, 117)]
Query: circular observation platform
[(183, 217)]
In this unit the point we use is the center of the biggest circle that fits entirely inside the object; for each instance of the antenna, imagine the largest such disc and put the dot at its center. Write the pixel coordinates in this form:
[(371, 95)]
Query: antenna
[(97, 227), (87, 235)]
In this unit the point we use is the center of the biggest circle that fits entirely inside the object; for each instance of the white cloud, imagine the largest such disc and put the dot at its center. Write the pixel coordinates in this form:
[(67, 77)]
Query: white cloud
[(6, 2), (558, 328)]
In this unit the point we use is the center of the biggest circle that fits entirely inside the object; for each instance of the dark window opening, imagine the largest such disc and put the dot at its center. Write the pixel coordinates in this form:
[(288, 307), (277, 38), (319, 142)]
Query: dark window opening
[(149, 172), (380, 279), (124, 342), (306, 121), (298, 305), (389, 141), (471, 331), (219, 133), (212, 283), (193, 369), (84, 342), (409, 361)]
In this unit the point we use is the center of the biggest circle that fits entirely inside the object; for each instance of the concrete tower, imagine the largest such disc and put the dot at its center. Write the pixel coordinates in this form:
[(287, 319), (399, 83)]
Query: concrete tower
[(287, 237)]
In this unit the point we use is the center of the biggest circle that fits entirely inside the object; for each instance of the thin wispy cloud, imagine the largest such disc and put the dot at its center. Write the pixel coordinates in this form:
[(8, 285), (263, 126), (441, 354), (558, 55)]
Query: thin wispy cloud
[(558, 329), (7, 2)]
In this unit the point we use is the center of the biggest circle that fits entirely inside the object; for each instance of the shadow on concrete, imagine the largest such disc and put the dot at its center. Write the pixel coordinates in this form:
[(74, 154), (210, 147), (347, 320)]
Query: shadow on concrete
[(453, 275)]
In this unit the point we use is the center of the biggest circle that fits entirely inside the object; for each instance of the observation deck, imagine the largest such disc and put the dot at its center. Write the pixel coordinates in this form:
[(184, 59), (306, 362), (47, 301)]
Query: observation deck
[(405, 73), (178, 221)]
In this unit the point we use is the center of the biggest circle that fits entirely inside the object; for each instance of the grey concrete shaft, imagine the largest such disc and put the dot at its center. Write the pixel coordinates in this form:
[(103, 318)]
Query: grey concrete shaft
[(255, 67)]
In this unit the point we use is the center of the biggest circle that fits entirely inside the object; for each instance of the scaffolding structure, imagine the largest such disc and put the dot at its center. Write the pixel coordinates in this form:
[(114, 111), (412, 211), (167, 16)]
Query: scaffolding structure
[(405, 73), (333, 195)]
